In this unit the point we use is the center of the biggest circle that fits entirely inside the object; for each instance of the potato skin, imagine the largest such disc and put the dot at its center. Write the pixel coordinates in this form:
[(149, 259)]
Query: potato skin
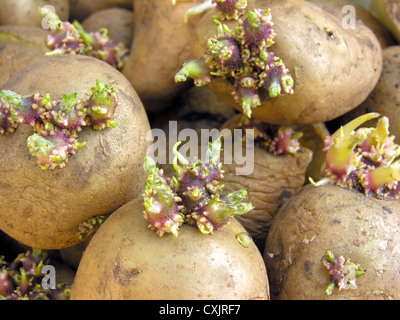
[(20, 46), (118, 21), (363, 229), (43, 208), (388, 13), (81, 9), (385, 98), (273, 180), (25, 12), (161, 42), (383, 35), (127, 261), (324, 59)]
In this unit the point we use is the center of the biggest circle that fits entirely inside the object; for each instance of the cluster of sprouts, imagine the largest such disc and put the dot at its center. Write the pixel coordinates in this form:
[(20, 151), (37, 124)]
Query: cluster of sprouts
[(71, 38), (365, 159), (342, 272), (22, 279), (56, 123), (193, 195), (241, 56), (275, 139)]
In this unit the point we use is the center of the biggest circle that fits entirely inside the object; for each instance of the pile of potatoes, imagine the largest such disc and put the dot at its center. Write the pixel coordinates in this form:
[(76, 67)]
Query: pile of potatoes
[(344, 60)]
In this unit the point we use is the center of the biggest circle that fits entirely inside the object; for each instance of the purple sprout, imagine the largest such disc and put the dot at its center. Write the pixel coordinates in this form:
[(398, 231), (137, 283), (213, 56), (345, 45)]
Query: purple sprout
[(22, 279), (243, 59), (68, 113), (277, 140), (56, 124), (101, 106), (52, 147), (342, 272), (192, 196), (71, 38)]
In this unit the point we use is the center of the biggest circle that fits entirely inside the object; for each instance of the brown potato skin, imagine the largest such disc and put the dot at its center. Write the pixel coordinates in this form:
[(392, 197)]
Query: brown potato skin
[(383, 35), (81, 9), (43, 208), (127, 261), (25, 12), (20, 46), (273, 180), (360, 228), (385, 98), (118, 21), (324, 59), (161, 42)]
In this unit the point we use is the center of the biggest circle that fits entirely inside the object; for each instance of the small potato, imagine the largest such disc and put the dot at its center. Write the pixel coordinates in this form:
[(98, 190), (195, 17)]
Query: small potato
[(324, 59), (125, 260), (118, 22), (81, 9), (25, 12), (44, 208), (19, 46), (348, 223)]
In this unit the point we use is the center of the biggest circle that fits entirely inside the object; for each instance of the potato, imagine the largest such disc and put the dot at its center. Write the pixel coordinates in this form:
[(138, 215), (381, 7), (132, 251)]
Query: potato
[(127, 261), (19, 46), (118, 22), (44, 208), (72, 256), (384, 36), (81, 9), (341, 232), (25, 12), (161, 41), (274, 178), (313, 138), (385, 98), (388, 13), (197, 109), (324, 59), (363, 229)]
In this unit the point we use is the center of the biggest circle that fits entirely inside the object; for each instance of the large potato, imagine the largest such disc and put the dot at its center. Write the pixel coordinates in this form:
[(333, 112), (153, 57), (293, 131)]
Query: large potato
[(324, 59), (44, 208), (19, 46), (126, 260), (25, 12), (346, 222)]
